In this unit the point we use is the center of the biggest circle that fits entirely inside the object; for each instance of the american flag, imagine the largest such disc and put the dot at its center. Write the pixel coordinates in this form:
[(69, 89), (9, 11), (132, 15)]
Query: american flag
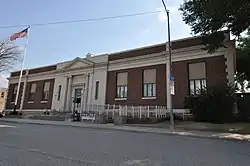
[(21, 34)]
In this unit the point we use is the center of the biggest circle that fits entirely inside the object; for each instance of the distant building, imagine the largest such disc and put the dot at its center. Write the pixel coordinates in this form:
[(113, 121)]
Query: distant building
[(131, 77), (3, 97)]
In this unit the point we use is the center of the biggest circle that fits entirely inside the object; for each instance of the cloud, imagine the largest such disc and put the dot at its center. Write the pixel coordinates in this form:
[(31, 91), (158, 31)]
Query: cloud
[(3, 82), (162, 16)]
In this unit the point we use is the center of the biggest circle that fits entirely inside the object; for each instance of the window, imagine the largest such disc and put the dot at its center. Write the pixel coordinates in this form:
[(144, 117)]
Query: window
[(197, 78), (45, 94), (96, 89), (196, 86), (32, 92), (59, 92), (14, 93), (149, 83), (2, 94), (121, 86)]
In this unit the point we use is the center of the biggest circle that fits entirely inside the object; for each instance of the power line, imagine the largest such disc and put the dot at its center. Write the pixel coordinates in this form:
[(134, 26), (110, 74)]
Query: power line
[(82, 20)]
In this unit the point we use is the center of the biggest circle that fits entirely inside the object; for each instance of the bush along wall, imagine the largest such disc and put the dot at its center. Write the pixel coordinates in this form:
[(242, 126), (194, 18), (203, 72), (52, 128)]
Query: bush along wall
[(215, 105), (243, 103)]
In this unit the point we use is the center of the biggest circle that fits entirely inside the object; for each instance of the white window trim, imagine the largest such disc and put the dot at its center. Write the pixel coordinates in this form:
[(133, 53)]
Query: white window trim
[(44, 101), (147, 91), (120, 99), (195, 90), (124, 96), (30, 102), (149, 98)]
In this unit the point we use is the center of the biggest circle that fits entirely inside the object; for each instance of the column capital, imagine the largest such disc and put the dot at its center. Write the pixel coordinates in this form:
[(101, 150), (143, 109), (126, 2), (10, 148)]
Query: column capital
[(87, 74), (27, 72), (69, 76)]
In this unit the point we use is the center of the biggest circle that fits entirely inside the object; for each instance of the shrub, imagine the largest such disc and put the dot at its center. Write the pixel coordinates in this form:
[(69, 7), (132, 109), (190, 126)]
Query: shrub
[(243, 101), (215, 105)]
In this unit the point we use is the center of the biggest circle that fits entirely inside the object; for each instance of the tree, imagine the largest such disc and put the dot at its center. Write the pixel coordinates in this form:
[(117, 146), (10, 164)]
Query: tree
[(243, 61), (209, 17), (9, 55)]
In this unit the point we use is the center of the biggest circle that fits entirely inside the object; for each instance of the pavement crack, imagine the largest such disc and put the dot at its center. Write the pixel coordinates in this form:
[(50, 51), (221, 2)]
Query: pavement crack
[(85, 162)]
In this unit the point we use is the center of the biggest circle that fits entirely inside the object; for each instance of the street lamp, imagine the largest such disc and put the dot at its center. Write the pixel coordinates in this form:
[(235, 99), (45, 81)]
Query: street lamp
[(169, 68)]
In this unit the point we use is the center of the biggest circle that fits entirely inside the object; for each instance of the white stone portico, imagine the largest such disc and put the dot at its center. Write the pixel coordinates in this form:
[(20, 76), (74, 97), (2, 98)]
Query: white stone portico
[(75, 81)]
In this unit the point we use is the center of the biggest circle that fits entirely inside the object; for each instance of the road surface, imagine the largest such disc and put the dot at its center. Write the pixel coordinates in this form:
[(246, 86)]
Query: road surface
[(39, 145)]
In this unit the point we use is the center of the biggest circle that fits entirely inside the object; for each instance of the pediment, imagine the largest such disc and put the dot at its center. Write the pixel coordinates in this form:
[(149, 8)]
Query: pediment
[(78, 63)]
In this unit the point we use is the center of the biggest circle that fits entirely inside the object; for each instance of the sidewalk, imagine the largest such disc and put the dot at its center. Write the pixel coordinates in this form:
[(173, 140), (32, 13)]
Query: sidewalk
[(200, 134)]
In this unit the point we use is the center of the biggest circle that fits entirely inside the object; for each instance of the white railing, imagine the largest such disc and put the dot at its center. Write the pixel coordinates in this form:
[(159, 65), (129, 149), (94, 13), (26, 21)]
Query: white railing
[(125, 110), (128, 110)]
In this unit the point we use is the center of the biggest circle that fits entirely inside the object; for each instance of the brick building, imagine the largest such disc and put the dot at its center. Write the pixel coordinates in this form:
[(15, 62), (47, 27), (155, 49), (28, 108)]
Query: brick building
[(131, 77)]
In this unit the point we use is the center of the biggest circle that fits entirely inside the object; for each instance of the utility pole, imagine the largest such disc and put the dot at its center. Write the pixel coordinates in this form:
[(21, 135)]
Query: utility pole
[(169, 67)]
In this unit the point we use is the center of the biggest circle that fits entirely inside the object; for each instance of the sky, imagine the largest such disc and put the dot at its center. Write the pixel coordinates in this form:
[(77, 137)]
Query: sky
[(56, 43)]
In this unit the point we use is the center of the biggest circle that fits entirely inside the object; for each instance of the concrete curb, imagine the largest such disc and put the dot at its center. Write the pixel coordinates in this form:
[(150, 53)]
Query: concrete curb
[(207, 135)]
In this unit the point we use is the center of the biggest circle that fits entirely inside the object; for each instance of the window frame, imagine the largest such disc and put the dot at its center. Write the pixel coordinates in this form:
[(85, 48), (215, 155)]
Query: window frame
[(203, 88), (119, 88), (14, 93), (44, 92), (147, 85), (119, 93), (152, 90), (96, 89), (59, 93), (196, 90), (31, 95)]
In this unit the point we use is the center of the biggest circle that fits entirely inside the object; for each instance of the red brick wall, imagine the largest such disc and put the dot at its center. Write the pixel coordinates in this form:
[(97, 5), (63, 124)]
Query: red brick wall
[(135, 78), (35, 71), (215, 72), (38, 95), (10, 104), (37, 99)]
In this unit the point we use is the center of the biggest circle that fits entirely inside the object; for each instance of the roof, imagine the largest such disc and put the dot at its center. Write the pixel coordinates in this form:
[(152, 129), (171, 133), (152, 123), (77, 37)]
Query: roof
[(175, 44)]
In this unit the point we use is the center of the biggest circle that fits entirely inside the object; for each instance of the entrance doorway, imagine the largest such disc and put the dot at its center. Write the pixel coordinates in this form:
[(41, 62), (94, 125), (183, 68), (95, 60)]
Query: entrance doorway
[(77, 99)]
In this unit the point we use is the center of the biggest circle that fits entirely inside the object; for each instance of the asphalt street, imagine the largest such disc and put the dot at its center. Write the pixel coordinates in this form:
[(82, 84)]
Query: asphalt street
[(39, 145)]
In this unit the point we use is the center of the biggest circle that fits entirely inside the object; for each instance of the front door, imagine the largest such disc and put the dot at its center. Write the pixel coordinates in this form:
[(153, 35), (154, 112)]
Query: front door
[(77, 99)]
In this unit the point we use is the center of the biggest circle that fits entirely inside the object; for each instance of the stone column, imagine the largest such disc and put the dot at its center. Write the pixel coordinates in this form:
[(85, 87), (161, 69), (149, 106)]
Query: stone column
[(24, 89), (89, 87), (69, 94), (230, 65), (65, 94)]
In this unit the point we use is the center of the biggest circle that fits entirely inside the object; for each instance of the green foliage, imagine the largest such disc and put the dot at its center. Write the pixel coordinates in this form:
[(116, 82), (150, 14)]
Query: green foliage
[(210, 17), (243, 55), (242, 82), (215, 106), (243, 61)]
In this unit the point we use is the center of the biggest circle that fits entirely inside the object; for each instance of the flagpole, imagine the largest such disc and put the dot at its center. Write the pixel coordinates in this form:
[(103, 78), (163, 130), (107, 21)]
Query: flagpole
[(21, 72)]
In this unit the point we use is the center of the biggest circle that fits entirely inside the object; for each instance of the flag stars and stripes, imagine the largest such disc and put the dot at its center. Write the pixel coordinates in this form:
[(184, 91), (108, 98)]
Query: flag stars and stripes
[(21, 34)]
